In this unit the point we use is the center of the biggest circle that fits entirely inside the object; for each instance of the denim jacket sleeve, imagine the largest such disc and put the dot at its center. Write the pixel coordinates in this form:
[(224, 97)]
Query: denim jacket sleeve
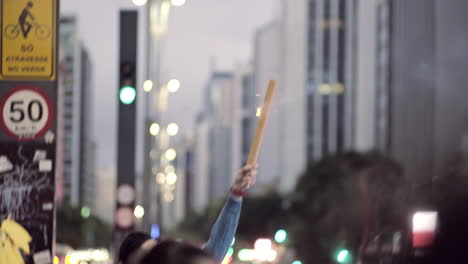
[(224, 230)]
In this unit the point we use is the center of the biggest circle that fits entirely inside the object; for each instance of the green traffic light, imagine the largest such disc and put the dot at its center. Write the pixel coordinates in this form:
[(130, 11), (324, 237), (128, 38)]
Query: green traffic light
[(297, 262), (85, 212), (343, 256), (281, 236), (127, 94)]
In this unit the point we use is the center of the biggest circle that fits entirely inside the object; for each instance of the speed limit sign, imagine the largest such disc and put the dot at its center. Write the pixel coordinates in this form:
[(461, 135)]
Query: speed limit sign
[(27, 113)]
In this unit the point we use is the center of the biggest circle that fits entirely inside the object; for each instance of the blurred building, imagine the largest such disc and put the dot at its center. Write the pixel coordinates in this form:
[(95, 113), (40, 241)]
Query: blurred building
[(292, 92), (315, 44), (104, 206), (243, 117), (266, 67), (223, 134), (422, 64), (176, 198), (76, 148), (212, 141), (331, 71), (199, 195), (248, 119)]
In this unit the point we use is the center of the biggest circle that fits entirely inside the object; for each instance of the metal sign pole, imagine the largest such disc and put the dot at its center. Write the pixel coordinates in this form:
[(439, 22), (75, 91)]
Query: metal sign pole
[(28, 97)]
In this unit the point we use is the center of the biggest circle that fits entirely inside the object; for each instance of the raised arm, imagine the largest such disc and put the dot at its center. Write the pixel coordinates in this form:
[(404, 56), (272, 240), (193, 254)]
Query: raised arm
[(225, 226)]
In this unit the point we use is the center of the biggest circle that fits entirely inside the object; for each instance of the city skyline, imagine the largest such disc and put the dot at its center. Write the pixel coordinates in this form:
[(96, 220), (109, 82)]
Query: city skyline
[(191, 64)]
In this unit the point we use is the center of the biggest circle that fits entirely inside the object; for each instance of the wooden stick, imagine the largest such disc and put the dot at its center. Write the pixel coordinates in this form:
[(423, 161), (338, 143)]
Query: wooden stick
[(259, 131)]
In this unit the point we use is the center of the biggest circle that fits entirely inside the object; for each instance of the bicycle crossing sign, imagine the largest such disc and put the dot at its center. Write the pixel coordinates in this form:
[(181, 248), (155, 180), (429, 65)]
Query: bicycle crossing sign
[(28, 39)]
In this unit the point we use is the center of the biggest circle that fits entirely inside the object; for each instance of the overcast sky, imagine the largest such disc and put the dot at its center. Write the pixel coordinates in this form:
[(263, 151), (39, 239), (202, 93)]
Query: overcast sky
[(198, 31)]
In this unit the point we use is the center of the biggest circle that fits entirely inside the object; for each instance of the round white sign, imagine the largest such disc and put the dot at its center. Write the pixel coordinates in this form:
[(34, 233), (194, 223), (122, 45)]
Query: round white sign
[(27, 113), (124, 217), (125, 194)]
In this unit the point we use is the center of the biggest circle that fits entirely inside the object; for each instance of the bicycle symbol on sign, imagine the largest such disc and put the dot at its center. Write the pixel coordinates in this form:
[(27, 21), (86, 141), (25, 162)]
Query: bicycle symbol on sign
[(26, 22)]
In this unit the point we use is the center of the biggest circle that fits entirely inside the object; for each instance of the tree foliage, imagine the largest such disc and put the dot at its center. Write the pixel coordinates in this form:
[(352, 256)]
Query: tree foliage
[(344, 201), (341, 201), (78, 232)]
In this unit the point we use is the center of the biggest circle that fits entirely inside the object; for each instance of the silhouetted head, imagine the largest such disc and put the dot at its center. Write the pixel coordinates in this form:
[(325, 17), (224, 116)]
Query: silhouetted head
[(171, 252), (30, 4), (130, 244)]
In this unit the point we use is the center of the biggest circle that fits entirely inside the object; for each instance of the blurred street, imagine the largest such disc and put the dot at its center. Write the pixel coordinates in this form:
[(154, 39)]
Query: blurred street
[(151, 115)]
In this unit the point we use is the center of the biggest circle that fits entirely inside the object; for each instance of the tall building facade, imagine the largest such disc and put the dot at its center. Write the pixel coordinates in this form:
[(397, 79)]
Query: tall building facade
[(76, 149), (266, 67), (318, 66), (213, 149), (87, 156), (331, 70), (248, 117), (311, 51), (424, 101), (292, 92), (200, 186), (223, 135)]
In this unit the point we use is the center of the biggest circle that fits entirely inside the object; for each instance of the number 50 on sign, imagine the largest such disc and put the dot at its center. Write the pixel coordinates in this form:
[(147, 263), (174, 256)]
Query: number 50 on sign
[(27, 113)]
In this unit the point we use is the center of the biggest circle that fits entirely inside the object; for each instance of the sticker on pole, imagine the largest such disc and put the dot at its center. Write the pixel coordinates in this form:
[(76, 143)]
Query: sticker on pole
[(27, 113)]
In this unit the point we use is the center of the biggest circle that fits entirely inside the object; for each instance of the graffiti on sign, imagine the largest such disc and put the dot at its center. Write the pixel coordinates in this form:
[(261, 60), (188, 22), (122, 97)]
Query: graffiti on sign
[(27, 199)]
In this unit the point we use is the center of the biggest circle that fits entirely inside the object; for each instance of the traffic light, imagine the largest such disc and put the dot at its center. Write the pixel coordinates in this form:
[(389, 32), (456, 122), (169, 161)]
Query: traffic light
[(281, 236), (126, 127), (85, 212), (343, 256), (127, 92)]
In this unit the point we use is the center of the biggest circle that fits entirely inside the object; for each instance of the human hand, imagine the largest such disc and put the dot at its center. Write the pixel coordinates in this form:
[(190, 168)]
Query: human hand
[(244, 180)]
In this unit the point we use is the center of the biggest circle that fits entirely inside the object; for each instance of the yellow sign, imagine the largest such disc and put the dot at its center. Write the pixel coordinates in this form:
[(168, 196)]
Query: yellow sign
[(28, 39)]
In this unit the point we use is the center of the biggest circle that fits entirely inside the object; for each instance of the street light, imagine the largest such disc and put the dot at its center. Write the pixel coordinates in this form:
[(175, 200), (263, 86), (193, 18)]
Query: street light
[(171, 178), (70, 259), (139, 2), (170, 154), (172, 129), (154, 129), (139, 211), (262, 244), (160, 178), (148, 86), (173, 85), (169, 168), (264, 251), (246, 254), (178, 2)]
